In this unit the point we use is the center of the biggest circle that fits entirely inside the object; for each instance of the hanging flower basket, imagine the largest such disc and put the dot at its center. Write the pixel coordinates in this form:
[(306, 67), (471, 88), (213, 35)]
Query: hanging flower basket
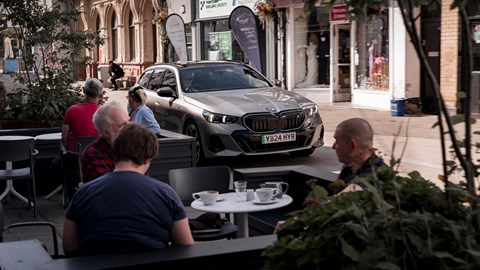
[(265, 9), (161, 16)]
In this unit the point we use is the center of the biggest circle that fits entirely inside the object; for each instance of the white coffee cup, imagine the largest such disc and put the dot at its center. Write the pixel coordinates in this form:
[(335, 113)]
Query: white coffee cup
[(265, 194), (208, 197)]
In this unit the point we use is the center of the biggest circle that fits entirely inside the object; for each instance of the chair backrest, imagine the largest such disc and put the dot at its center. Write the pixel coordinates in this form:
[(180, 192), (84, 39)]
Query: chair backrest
[(186, 181), (16, 150), (80, 144)]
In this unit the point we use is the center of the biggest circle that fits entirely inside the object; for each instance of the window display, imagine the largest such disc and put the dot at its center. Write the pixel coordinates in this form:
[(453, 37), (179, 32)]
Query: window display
[(372, 51), (220, 44), (312, 49)]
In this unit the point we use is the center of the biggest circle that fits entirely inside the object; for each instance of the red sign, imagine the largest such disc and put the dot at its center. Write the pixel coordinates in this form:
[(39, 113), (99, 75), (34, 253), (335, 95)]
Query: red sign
[(339, 13)]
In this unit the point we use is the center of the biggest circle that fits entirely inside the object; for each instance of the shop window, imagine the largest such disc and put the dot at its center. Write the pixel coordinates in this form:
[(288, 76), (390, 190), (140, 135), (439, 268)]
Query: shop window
[(475, 26), (219, 42), (372, 51), (312, 47)]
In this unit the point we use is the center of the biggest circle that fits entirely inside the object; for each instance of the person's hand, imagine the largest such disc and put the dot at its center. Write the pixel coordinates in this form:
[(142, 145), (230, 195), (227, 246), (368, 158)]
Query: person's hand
[(350, 188), (277, 227)]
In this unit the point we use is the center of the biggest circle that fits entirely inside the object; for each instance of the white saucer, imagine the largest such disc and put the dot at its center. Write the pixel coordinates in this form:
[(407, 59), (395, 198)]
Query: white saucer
[(256, 201), (220, 198)]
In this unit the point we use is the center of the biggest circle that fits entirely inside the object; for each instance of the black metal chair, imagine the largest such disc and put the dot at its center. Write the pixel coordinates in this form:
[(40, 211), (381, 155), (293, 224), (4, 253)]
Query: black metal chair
[(186, 181), (20, 152), (72, 167), (9, 227)]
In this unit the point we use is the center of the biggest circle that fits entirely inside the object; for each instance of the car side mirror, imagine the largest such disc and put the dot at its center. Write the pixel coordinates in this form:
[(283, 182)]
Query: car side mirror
[(166, 92), (277, 82)]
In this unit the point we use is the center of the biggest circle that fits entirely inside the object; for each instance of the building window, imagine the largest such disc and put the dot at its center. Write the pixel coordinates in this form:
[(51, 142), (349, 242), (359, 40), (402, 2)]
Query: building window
[(114, 37), (372, 51), (131, 37), (219, 42), (312, 48), (98, 30)]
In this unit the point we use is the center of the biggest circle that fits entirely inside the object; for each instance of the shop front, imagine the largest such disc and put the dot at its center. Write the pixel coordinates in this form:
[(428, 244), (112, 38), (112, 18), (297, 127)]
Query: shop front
[(215, 38), (338, 60)]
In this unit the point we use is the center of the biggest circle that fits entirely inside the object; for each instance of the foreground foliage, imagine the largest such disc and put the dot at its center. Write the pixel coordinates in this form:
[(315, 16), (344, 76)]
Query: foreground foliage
[(396, 223)]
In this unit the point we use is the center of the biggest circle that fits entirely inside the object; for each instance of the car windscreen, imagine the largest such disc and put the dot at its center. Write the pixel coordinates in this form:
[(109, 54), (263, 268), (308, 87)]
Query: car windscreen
[(220, 77)]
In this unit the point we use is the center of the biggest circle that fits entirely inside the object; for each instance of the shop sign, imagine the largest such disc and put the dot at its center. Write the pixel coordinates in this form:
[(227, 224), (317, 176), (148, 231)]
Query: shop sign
[(221, 8), (244, 27), (339, 13), (225, 45), (175, 29)]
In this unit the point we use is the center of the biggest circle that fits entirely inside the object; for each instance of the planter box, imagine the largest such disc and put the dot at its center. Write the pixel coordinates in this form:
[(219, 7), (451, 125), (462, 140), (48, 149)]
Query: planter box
[(175, 151)]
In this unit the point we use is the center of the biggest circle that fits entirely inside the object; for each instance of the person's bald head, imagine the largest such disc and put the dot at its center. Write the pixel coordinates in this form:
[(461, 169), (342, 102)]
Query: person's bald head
[(357, 129), (353, 140)]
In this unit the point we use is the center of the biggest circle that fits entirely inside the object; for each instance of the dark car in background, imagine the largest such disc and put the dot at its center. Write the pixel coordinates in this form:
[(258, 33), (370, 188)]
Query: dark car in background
[(231, 109)]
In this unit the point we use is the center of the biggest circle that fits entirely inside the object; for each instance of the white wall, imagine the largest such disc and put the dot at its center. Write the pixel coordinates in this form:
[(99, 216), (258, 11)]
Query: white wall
[(174, 6)]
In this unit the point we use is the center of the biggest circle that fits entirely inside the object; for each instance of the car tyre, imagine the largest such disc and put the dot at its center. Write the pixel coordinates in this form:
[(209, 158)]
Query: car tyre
[(191, 130), (302, 153)]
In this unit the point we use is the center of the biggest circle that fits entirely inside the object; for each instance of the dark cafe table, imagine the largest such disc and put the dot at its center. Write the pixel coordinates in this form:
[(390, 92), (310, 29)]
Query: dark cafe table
[(27, 254), (8, 165), (237, 204)]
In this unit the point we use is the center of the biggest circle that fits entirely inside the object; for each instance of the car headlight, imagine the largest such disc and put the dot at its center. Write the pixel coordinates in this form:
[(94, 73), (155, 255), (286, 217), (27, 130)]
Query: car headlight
[(311, 110), (219, 118)]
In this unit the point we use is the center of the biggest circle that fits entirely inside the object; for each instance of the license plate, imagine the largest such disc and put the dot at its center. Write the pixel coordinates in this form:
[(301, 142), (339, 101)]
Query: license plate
[(278, 138)]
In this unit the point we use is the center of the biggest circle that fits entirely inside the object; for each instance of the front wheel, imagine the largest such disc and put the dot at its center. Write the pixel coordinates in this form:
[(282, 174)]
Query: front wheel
[(302, 153), (191, 130)]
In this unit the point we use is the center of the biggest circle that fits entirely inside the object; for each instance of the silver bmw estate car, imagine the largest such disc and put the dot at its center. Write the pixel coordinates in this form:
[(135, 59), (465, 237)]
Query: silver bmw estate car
[(231, 109)]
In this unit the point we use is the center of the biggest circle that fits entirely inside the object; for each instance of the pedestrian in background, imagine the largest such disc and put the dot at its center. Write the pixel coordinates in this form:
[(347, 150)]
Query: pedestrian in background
[(115, 72)]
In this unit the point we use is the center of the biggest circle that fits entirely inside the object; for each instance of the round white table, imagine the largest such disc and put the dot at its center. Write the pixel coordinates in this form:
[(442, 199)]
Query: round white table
[(236, 204), (8, 166), (49, 136)]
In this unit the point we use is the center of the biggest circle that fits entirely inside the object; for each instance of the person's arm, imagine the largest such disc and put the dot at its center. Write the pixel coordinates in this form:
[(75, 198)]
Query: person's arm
[(70, 240), (181, 234), (65, 135)]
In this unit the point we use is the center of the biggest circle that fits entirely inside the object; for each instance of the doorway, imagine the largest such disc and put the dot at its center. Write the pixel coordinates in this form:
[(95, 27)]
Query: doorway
[(341, 63)]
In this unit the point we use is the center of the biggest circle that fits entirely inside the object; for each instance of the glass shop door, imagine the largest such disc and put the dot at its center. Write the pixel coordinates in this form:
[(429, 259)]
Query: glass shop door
[(341, 63)]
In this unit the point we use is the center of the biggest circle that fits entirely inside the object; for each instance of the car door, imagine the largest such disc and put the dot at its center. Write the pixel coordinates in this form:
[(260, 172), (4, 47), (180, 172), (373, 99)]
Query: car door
[(168, 114)]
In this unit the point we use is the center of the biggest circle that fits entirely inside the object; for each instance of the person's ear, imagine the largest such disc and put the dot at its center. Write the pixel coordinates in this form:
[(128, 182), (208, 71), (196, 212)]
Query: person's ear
[(353, 144)]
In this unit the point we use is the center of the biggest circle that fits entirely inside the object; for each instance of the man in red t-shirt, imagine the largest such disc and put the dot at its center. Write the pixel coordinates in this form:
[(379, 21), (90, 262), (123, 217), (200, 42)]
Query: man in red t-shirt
[(78, 118)]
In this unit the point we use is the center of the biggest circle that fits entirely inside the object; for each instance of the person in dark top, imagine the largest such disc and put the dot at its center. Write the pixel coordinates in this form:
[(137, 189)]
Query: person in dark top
[(126, 211), (115, 72), (354, 148)]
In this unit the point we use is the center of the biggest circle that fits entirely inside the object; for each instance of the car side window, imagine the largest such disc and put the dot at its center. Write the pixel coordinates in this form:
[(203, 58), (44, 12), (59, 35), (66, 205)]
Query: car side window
[(143, 81), (156, 80), (169, 80)]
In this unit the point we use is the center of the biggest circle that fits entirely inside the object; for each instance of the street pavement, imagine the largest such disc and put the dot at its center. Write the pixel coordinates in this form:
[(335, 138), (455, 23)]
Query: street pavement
[(411, 138)]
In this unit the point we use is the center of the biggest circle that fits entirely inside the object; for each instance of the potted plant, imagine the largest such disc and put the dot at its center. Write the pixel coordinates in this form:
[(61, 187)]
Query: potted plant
[(397, 222)]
